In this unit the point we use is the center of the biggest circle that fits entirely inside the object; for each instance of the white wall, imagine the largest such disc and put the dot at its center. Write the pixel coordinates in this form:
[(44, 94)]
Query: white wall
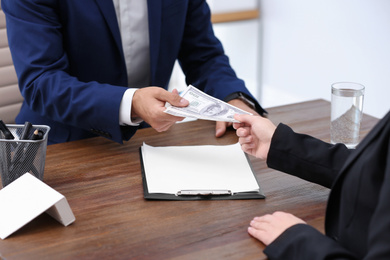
[(306, 45), (309, 44), (241, 42)]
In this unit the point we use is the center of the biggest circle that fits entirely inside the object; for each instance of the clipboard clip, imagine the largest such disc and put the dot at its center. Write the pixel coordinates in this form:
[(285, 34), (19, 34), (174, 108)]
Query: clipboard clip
[(203, 192)]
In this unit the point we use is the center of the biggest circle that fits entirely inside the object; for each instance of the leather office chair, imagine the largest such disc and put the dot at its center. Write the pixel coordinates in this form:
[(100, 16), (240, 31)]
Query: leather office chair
[(10, 97)]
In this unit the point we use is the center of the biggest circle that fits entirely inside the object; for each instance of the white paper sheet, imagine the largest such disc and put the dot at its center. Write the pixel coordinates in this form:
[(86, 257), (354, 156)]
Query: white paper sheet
[(171, 169)]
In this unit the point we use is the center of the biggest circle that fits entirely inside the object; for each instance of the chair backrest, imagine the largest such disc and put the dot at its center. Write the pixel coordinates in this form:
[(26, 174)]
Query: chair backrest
[(10, 98)]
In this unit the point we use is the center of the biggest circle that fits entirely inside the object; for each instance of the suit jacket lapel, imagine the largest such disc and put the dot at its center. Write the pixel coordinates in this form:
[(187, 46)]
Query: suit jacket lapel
[(334, 196), (108, 11), (374, 132), (154, 16)]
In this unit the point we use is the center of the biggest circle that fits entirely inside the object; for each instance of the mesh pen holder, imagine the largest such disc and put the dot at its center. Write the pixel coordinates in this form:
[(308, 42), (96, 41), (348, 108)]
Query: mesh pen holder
[(20, 156)]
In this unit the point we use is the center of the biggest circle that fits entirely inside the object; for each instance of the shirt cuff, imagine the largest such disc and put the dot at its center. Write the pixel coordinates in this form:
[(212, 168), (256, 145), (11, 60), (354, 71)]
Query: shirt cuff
[(125, 109)]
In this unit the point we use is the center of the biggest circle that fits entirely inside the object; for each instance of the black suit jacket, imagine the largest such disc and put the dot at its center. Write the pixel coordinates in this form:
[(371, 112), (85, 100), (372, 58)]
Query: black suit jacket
[(357, 222)]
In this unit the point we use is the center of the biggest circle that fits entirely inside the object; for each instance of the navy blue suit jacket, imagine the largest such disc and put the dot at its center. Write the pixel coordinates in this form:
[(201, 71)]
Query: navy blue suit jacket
[(69, 60)]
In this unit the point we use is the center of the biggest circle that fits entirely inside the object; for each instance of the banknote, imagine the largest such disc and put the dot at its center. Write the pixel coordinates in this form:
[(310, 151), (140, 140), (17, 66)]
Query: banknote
[(203, 106)]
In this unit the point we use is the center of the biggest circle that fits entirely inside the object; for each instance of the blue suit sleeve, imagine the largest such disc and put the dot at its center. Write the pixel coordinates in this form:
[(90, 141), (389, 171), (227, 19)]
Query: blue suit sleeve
[(42, 65), (202, 57)]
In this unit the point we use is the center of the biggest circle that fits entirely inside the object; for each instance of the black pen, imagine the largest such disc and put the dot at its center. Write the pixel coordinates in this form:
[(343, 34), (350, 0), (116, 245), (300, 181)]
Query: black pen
[(16, 163), (7, 133), (19, 149), (31, 152), (6, 155), (25, 131)]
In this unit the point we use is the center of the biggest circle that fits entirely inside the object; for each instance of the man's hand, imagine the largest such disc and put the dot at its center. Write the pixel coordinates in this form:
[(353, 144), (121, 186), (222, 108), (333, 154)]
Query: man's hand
[(220, 127), (149, 104)]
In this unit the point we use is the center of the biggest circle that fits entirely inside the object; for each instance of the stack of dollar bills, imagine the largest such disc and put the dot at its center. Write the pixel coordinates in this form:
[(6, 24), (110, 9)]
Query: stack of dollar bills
[(203, 106)]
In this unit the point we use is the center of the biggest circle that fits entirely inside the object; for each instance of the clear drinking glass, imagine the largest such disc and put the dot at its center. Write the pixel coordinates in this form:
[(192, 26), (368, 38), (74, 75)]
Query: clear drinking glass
[(346, 113)]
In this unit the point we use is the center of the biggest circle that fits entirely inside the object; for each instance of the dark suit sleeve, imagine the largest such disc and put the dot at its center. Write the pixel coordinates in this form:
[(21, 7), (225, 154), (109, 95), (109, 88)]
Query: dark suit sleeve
[(36, 39), (306, 157), (379, 226), (202, 57), (304, 242)]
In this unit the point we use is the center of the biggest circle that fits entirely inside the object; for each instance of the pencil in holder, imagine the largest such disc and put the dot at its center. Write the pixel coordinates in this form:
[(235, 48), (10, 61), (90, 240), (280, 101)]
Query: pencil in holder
[(26, 152)]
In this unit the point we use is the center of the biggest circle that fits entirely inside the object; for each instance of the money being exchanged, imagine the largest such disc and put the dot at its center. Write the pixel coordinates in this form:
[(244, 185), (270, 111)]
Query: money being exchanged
[(203, 106)]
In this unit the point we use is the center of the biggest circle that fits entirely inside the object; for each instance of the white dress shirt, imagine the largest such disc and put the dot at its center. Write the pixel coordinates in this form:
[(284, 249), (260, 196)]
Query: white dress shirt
[(132, 17)]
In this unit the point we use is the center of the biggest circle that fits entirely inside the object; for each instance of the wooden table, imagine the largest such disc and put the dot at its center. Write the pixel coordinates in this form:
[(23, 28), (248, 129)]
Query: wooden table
[(102, 182)]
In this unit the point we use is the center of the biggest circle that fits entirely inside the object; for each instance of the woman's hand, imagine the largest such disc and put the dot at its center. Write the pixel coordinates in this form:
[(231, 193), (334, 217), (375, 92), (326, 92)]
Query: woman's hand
[(255, 134), (268, 227)]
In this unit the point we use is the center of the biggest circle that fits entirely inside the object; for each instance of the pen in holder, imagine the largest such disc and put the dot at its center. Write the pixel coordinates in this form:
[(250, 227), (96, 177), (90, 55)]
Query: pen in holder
[(26, 152)]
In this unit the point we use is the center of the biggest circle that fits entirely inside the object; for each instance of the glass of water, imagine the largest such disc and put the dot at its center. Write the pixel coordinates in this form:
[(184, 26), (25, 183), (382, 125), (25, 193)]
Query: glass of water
[(346, 113)]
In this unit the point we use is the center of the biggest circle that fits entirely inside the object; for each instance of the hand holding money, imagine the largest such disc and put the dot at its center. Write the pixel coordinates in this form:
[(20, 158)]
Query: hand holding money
[(203, 106), (149, 104)]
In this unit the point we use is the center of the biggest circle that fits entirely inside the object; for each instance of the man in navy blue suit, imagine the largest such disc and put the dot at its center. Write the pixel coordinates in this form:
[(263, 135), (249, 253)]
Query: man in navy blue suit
[(102, 67)]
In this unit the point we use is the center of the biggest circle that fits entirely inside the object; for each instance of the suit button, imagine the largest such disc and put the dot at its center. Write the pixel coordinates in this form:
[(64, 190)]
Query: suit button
[(100, 132)]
